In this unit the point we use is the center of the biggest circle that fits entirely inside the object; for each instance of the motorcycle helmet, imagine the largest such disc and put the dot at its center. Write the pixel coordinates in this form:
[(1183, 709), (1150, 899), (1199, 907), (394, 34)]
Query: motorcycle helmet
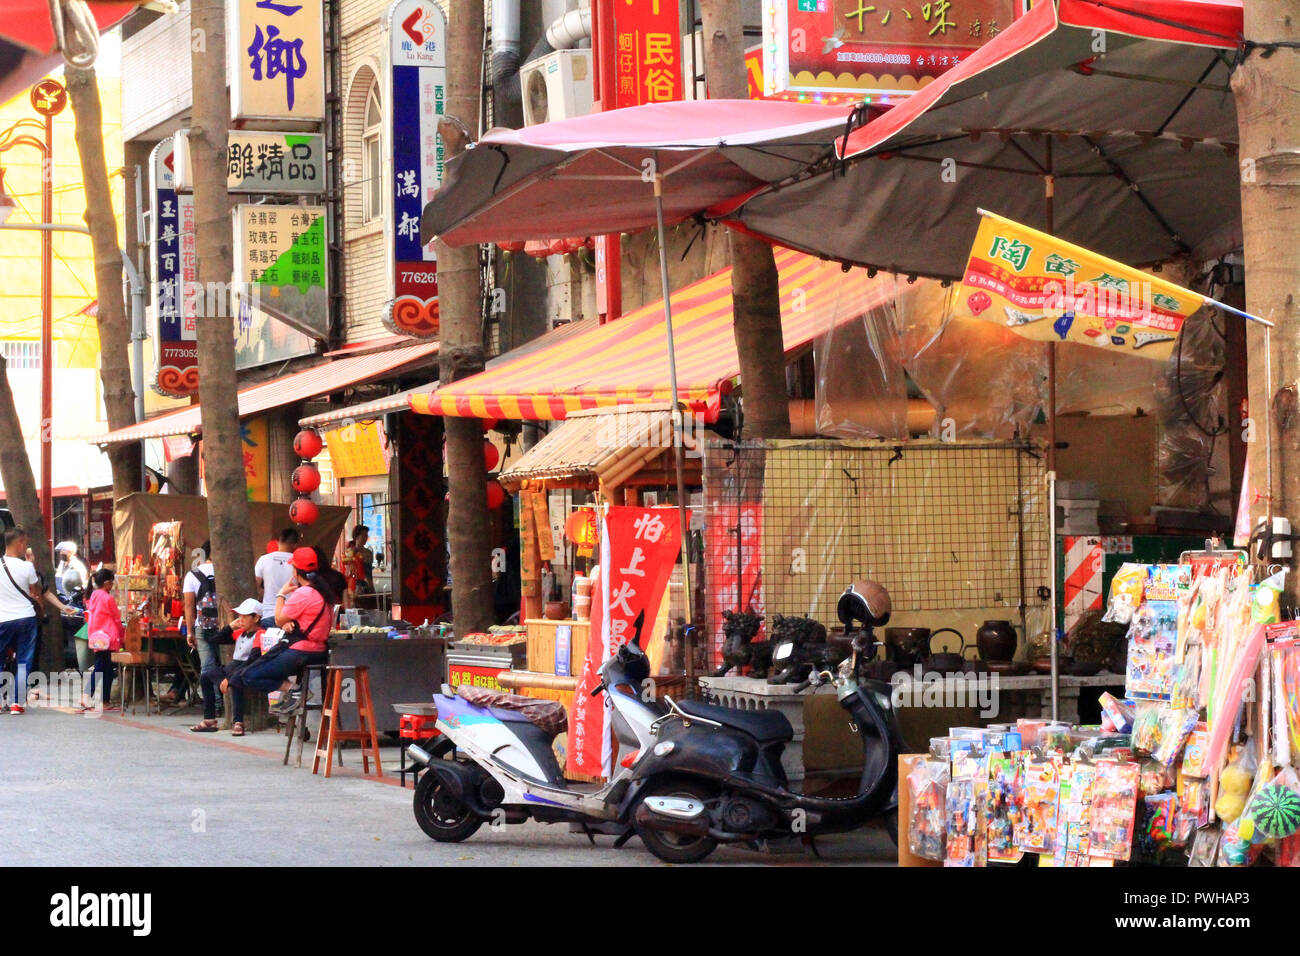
[(864, 603)]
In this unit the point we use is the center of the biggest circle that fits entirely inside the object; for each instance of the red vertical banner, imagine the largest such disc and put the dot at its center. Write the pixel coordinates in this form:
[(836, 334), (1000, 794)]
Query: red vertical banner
[(735, 569), (638, 548), (647, 53)]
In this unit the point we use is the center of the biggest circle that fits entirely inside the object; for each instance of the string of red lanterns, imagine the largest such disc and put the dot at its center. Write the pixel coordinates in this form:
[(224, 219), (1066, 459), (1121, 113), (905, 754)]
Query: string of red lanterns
[(307, 444)]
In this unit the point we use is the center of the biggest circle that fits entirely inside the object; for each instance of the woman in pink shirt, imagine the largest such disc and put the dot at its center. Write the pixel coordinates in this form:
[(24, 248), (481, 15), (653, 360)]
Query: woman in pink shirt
[(103, 621)]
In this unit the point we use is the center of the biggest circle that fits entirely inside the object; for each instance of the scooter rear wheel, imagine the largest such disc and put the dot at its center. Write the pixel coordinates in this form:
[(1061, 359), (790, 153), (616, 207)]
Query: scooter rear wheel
[(440, 815), (678, 847)]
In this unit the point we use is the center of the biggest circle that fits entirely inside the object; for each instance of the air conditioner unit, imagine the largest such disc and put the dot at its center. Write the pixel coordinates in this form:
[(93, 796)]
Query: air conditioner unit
[(557, 86)]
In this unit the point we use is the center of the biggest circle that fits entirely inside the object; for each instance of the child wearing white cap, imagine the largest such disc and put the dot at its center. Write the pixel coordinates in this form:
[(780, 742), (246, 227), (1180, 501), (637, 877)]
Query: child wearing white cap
[(245, 632)]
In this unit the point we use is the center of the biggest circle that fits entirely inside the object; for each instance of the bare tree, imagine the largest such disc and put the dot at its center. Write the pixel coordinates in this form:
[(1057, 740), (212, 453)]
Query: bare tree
[(461, 342), (25, 506), (223, 454), (755, 284), (111, 316), (1268, 122)]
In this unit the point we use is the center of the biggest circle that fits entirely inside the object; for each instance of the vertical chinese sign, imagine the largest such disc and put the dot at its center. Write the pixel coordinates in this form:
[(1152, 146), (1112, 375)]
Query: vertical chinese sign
[(417, 87), (172, 263), (276, 50), (863, 47), (638, 548), (733, 547), (647, 52)]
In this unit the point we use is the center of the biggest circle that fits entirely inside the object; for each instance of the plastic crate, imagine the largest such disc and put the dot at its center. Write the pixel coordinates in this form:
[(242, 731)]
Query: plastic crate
[(418, 726)]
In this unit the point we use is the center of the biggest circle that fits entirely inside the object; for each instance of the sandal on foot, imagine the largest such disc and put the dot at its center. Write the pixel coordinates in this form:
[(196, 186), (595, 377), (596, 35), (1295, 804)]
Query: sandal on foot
[(237, 730), (205, 727)]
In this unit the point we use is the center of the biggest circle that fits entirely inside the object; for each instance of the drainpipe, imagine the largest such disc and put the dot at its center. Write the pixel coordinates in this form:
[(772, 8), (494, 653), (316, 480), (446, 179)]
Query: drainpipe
[(568, 31), (505, 63)]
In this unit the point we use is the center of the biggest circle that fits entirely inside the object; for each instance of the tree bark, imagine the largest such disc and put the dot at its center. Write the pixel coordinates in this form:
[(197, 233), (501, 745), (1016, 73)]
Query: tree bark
[(1268, 122), (461, 343), (112, 320), (755, 284), (25, 506), (222, 448)]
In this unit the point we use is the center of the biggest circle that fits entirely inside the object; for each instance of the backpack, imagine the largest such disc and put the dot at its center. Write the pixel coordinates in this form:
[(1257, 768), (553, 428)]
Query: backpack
[(205, 601)]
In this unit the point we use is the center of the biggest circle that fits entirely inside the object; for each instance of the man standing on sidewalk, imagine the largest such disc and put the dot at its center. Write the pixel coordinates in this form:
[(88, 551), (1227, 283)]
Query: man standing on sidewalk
[(20, 599)]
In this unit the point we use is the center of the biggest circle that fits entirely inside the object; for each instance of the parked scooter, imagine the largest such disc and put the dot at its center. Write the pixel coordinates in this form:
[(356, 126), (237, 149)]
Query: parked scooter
[(697, 775)]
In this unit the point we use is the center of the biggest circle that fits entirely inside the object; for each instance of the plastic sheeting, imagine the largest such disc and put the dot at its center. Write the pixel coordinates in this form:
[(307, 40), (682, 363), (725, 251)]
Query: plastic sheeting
[(987, 382)]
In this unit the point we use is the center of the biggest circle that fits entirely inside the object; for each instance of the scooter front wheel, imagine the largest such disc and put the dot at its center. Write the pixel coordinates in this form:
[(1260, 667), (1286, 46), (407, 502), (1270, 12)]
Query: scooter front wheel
[(439, 814)]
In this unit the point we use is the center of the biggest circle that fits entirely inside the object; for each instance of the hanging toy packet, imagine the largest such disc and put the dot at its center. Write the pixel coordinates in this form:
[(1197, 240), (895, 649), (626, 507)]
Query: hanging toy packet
[(928, 785), (1126, 589), (1005, 799), (1074, 819), (1035, 829), (1114, 806), (1152, 642)]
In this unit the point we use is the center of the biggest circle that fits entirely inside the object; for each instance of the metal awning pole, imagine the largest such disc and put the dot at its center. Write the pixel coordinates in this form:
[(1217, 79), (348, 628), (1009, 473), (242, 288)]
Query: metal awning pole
[(678, 449)]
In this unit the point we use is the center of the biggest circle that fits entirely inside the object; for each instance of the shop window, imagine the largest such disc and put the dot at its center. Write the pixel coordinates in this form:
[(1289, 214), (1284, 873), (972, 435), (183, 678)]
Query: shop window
[(372, 158)]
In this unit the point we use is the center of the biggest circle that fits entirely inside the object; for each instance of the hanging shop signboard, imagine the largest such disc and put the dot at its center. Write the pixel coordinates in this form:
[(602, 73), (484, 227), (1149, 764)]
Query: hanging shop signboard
[(263, 162), (276, 50), (873, 48), (172, 262), (416, 78), (647, 53), (281, 266)]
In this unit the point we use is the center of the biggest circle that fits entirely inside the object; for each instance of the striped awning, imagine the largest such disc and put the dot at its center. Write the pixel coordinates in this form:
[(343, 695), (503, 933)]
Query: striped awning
[(286, 390), (626, 361)]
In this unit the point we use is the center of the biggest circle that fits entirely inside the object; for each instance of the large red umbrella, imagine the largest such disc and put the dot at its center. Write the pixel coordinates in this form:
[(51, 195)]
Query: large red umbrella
[(1108, 122), (29, 45)]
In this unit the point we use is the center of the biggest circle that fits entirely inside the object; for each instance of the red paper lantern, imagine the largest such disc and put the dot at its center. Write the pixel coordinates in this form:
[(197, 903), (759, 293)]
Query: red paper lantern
[(491, 457), (496, 496), (489, 423), (582, 529), (303, 511), (305, 479), (513, 245), (307, 443)]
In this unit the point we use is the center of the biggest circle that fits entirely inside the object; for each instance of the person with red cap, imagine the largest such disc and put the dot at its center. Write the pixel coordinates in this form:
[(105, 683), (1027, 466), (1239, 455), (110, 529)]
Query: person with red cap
[(304, 609)]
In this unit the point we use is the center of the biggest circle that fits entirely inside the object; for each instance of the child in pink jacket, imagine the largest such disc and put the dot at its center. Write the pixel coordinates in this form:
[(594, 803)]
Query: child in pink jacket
[(103, 617)]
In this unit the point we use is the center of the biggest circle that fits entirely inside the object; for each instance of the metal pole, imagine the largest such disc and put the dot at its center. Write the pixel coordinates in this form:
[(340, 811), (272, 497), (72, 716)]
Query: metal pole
[(47, 335), (678, 450)]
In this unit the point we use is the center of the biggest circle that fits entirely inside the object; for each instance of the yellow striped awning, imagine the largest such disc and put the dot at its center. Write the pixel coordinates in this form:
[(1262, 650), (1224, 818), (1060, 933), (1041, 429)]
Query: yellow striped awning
[(626, 361)]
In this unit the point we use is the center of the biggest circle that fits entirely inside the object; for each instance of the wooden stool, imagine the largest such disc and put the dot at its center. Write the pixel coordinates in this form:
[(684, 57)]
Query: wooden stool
[(296, 721), (329, 735)]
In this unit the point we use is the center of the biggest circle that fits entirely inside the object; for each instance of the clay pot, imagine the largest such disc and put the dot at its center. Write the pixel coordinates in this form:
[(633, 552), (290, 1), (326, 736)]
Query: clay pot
[(996, 641), (556, 610), (906, 646)]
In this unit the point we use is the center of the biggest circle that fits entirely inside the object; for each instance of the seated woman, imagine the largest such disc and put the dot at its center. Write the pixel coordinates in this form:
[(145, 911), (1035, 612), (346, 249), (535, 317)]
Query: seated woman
[(245, 633), (304, 608)]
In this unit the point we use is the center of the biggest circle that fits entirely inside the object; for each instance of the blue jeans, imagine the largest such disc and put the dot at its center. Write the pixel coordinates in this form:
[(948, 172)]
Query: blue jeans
[(20, 635)]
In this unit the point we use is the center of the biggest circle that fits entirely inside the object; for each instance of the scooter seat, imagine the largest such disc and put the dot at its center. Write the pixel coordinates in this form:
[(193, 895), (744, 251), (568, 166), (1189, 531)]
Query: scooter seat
[(767, 726)]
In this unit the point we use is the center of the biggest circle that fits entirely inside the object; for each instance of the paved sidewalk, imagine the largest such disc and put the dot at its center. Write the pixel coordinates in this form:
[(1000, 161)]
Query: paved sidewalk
[(135, 791)]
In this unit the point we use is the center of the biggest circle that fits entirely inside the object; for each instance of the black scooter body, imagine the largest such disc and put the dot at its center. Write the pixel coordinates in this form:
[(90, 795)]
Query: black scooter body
[(739, 765)]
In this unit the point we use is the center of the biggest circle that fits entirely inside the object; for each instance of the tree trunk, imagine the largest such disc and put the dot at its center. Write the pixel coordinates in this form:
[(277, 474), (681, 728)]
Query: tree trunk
[(461, 348), (755, 288), (25, 506), (112, 320), (222, 448), (1268, 122)]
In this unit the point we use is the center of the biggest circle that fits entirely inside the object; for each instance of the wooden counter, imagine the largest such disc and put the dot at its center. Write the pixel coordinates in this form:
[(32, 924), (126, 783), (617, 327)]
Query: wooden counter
[(543, 637)]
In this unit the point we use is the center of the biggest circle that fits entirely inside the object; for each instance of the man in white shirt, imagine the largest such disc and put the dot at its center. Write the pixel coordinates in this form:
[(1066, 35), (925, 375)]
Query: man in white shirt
[(199, 582), (20, 597), (274, 571)]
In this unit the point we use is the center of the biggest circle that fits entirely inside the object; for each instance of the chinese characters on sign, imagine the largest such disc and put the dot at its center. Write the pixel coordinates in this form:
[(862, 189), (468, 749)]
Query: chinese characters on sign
[(172, 259), (648, 52), (417, 90), (277, 60), (638, 548), (281, 266), (874, 46)]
